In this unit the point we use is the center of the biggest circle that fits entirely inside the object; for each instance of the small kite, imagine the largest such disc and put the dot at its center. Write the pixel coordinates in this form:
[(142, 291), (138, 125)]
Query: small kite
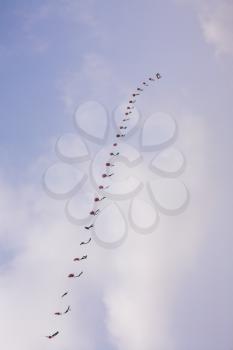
[(52, 336), (86, 242), (67, 310), (94, 212), (88, 227), (72, 275), (63, 295)]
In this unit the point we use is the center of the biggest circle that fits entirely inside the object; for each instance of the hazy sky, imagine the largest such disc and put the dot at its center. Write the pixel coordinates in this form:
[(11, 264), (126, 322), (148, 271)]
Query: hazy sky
[(173, 289)]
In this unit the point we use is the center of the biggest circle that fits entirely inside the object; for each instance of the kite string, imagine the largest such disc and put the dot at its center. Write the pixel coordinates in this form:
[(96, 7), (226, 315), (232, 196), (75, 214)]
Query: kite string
[(105, 175)]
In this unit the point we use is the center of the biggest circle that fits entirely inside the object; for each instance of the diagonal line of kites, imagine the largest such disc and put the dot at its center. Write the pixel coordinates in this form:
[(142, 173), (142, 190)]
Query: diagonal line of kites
[(108, 165)]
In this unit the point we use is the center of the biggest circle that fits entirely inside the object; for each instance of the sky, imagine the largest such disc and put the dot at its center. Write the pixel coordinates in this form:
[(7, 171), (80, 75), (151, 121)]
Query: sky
[(172, 289)]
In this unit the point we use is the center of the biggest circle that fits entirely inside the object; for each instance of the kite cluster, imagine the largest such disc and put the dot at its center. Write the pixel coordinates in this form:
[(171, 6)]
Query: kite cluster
[(121, 133)]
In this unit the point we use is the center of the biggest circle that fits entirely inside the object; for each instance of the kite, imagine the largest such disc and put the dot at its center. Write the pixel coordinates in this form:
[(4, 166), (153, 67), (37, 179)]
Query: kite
[(52, 336), (107, 165)]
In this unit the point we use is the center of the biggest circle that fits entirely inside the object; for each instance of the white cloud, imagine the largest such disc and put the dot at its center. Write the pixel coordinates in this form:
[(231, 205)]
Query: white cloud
[(217, 26), (150, 269), (42, 242), (216, 20), (138, 282)]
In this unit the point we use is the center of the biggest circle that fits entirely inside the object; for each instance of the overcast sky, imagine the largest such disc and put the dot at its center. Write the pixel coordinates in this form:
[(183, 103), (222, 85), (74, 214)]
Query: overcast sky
[(171, 290)]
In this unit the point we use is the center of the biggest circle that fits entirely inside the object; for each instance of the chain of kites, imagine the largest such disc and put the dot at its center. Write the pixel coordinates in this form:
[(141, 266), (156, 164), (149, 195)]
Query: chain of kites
[(121, 133)]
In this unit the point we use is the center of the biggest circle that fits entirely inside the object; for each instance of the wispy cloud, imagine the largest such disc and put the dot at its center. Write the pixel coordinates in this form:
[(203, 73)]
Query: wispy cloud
[(34, 277), (95, 78), (135, 287), (150, 270), (216, 20), (217, 26), (131, 297)]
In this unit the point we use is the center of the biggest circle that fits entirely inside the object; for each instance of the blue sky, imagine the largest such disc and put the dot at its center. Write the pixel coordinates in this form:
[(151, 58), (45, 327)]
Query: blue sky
[(56, 54), (46, 44)]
